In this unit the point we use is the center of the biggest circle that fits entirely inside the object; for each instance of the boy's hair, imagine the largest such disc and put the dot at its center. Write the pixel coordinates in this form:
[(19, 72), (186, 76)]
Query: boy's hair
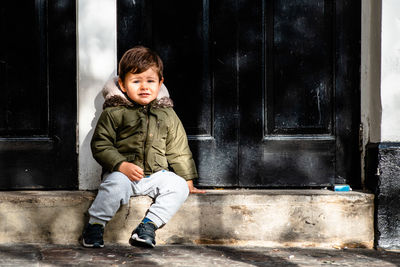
[(139, 59)]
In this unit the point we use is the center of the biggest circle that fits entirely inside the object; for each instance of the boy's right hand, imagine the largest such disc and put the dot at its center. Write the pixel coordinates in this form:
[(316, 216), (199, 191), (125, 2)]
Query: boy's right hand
[(132, 171)]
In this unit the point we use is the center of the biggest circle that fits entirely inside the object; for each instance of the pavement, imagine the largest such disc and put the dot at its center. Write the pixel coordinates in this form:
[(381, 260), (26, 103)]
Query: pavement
[(193, 255)]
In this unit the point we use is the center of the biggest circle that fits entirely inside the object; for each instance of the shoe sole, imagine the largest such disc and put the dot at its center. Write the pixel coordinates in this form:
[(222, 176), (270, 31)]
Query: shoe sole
[(135, 240), (96, 245)]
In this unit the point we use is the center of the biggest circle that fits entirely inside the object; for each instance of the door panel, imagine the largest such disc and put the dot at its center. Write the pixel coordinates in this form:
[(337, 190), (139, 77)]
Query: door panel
[(259, 85), (24, 112), (38, 110), (299, 91), (286, 136)]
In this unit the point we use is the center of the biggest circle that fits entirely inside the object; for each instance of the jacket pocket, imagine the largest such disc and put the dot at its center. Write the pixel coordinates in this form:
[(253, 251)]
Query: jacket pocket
[(161, 161)]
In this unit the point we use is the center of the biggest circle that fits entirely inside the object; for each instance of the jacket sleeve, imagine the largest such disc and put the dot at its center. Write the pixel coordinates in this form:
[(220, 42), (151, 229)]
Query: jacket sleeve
[(178, 152), (103, 143)]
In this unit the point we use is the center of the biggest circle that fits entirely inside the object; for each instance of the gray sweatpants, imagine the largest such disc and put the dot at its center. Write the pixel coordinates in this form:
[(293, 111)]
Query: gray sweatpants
[(167, 189)]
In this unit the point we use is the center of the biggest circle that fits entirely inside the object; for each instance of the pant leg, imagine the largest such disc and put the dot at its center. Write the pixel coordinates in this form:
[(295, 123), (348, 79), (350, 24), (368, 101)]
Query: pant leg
[(114, 191), (169, 192)]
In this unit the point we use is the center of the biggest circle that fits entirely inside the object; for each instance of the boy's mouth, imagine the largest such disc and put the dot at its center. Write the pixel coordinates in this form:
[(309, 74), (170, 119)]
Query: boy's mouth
[(144, 94)]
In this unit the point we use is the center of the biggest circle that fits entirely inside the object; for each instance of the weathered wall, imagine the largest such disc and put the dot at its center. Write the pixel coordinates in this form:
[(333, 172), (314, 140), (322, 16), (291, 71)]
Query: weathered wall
[(383, 152), (96, 64), (388, 197), (388, 190), (390, 73)]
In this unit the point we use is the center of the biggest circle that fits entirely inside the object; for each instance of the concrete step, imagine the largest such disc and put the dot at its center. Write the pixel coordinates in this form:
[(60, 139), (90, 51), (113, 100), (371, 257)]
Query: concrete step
[(314, 218)]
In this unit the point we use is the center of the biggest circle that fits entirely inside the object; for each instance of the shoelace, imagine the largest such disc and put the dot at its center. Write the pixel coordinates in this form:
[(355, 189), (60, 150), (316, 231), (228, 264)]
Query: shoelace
[(146, 228), (94, 231)]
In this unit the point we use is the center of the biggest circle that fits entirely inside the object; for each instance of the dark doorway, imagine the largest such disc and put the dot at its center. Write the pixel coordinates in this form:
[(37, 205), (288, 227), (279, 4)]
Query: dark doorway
[(38, 103), (268, 91)]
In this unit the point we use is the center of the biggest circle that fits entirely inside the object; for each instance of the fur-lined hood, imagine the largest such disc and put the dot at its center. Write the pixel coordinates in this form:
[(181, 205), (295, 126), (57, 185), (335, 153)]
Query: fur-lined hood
[(113, 96)]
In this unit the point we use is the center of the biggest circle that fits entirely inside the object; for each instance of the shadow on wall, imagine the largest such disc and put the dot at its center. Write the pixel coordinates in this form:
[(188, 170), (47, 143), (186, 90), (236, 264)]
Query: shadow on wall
[(89, 169), (36, 216), (210, 232), (92, 169), (288, 219)]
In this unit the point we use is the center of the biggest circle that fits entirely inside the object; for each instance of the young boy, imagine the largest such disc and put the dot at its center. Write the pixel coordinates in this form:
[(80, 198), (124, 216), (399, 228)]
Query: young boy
[(137, 138)]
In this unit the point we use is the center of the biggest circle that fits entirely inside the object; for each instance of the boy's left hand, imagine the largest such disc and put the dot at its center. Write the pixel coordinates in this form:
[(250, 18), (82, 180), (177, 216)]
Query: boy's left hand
[(194, 190)]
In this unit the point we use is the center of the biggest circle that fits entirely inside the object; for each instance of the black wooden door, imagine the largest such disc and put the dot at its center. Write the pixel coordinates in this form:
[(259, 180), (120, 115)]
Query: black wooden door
[(268, 91), (38, 88)]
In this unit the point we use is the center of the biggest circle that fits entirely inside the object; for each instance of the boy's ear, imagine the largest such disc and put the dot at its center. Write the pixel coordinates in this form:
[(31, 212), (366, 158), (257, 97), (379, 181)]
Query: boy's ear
[(121, 85), (161, 81)]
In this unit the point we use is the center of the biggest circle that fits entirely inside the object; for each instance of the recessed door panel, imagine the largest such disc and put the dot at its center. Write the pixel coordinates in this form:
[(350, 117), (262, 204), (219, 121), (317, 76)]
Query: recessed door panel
[(38, 103)]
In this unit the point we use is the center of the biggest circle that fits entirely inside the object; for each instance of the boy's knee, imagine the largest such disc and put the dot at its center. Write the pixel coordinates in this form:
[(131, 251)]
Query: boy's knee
[(117, 181), (185, 186), (181, 185), (175, 183)]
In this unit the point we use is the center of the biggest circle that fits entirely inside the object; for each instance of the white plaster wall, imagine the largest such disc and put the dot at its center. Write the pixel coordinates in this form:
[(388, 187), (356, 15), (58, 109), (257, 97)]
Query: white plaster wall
[(97, 55), (390, 71)]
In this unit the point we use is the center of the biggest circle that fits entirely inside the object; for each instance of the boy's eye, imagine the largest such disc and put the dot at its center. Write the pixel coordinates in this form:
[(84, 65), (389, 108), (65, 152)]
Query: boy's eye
[(135, 81), (150, 81)]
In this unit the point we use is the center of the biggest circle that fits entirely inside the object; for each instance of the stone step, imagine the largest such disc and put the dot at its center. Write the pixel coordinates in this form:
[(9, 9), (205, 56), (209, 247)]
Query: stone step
[(314, 218)]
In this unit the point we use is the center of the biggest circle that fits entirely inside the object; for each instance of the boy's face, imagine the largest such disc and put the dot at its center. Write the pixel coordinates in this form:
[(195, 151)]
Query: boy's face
[(141, 87)]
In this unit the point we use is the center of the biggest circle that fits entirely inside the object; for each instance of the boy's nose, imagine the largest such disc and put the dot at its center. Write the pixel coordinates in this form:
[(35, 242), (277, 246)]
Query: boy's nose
[(144, 87)]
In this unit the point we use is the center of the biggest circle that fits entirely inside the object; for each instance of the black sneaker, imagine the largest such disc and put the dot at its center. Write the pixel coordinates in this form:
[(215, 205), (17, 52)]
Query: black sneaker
[(144, 235), (92, 236)]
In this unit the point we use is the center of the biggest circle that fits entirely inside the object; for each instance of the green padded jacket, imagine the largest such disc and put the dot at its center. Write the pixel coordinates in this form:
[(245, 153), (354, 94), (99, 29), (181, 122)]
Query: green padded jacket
[(151, 137)]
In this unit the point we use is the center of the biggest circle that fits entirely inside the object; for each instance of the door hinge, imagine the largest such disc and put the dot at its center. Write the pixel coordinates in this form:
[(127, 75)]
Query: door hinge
[(378, 171)]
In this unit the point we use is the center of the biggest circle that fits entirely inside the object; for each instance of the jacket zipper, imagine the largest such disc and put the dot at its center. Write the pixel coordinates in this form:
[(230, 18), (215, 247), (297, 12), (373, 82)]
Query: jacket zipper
[(145, 140)]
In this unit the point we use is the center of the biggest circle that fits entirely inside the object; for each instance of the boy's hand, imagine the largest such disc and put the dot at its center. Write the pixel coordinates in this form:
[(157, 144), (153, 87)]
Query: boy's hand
[(132, 171), (194, 190)]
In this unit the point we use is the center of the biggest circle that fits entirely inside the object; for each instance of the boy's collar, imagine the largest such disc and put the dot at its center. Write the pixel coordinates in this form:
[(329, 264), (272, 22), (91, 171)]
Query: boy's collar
[(117, 100), (114, 96), (156, 103), (130, 100)]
